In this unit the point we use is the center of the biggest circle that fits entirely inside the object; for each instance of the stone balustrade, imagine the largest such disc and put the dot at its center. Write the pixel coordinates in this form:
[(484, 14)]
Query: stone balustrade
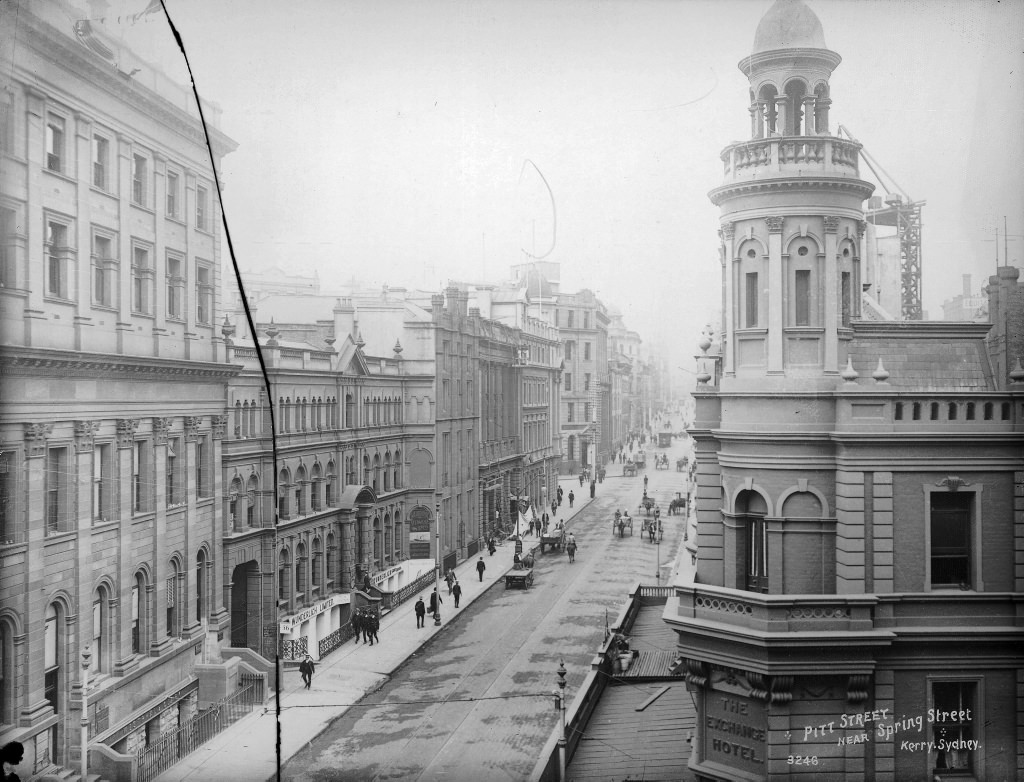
[(785, 155)]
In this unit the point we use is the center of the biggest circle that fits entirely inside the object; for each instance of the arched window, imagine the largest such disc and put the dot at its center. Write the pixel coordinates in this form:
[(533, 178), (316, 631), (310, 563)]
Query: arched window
[(330, 488), (396, 480), (238, 419), (100, 638), (301, 489), (140, 613), (283, 486), (751, 510), (317, 567), (284, 575), (331, 553), (301, 587), (795, 92), (8, 690), (315, 487), (53, 655), (376, 473), (377, 541), (251, 491), (387, 471), (234, 498), (770, 114), (366, 470), (174, 617), (201, 586)]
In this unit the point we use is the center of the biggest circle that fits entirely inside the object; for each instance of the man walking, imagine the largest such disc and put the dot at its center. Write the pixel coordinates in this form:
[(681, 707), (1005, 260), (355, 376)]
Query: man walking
[(481, 566), (457, 592), (421, 612), (373, 627), (572, 497), (306, 668), (435, 603), (357, 624)]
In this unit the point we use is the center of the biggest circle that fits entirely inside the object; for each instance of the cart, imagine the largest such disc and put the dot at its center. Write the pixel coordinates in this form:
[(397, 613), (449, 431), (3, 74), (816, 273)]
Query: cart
[(555, 539), (621, 524), (664, 439), (519, 579), (629, 470)]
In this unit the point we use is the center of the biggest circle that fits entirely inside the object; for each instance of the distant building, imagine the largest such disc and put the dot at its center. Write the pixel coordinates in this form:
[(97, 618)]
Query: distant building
[(966, 306), (859, 482), (113, 391)]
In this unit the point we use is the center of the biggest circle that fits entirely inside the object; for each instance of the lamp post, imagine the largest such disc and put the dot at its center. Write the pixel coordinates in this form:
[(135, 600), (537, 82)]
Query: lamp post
[(86, 659), (657, 548), (561, 707), (437, 564)]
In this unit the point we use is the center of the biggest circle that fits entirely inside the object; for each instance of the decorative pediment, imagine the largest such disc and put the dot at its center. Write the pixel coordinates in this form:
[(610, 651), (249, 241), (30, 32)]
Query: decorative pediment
[(953, 482)]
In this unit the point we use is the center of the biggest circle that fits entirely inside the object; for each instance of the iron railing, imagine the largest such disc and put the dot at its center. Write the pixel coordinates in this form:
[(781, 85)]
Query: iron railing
[(159, 756), (294, 649)]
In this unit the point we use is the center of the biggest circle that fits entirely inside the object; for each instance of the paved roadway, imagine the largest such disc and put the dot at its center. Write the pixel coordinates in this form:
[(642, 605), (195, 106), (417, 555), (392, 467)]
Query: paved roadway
[(475, 703)]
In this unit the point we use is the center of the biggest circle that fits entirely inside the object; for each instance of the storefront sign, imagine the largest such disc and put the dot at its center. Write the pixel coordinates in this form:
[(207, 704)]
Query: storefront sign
[(289, 623), (379, 578), (419, 533), (735, 732)]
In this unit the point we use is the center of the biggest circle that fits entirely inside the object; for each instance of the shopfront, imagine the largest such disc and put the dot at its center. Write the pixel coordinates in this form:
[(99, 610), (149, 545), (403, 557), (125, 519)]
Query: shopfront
[(313, 630)]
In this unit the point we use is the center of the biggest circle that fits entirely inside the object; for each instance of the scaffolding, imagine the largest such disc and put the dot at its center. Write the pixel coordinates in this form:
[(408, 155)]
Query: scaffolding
[(901, 212)]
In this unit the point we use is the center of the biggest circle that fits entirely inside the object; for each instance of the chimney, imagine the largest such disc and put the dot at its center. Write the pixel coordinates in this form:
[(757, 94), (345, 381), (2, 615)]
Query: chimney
[(344, 317), (967, 286)]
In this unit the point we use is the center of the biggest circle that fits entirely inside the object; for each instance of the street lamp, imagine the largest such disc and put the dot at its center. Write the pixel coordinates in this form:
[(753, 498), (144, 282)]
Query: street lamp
[(86, 659), (437, 564), (560, 693)]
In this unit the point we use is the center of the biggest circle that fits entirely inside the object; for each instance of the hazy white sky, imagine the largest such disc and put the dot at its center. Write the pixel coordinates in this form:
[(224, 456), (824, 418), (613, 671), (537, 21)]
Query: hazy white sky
[(386, 140)]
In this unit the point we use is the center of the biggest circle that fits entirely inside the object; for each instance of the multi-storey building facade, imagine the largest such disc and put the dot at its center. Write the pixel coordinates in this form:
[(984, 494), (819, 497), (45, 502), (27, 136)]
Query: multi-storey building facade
[(113, 389), (582, 321), (860, 522), (349, 481)]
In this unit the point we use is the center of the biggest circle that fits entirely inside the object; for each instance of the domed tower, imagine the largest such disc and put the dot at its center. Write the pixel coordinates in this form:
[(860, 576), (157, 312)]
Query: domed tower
[(792, 222)]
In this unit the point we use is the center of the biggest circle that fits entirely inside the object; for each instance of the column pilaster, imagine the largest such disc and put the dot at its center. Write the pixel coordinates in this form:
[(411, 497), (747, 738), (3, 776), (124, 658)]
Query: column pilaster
[(774, 303), (730, 312), (832, 295)]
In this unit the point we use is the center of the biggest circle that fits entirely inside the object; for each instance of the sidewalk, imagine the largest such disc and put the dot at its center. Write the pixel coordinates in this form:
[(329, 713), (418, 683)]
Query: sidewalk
[(245, 751)]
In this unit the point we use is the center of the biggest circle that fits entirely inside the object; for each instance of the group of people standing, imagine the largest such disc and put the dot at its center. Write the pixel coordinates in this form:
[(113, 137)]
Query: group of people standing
[(368, 623)]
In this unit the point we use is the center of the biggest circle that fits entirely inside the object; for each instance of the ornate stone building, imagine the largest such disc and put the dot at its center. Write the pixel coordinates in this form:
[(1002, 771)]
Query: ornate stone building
[(113, 388), (860, 522)]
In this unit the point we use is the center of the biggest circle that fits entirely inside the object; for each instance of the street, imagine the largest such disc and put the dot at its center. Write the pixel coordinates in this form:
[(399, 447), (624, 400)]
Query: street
[(475, 702)]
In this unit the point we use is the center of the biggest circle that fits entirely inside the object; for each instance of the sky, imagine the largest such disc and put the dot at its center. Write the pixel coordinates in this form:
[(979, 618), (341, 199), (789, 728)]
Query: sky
[(408, 142)]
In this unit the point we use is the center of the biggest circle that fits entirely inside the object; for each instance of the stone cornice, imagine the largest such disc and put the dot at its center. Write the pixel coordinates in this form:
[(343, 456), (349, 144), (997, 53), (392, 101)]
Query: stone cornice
[(46, 361), (790, 182), (930, 329), (54, 45)]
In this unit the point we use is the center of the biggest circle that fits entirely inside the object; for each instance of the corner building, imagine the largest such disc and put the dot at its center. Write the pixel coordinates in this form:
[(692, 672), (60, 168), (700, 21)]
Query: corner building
[(860, 486)]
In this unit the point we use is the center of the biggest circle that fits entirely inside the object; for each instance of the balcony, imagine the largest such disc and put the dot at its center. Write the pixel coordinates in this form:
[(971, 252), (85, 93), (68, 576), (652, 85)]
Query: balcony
[(791, 155)]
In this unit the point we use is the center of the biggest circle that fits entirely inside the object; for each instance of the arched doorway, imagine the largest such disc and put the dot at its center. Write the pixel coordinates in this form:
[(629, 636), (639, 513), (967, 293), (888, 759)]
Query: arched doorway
[(245, 606), (751, 510)]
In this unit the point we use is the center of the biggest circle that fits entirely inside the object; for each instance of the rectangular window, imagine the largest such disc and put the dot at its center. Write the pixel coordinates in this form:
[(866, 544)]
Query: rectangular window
[(57, 252), (847, 299), (104, 270), (953, 730), (103, 483), (802, 297), (173, 194), (586, 351), (570, 412), (446, 394), (6, 126), (571, 314), (100, 162), (8, 223), (140, 180), (175, 488), (140, 476), (951, 539), (568, 351), (54, 143), (175, 286), (586, 320), (56, 490), (586, 381), (588, 410), (204, 293), (202, 208), (142, 277), (204, 483), (568, 381), (750, 321)]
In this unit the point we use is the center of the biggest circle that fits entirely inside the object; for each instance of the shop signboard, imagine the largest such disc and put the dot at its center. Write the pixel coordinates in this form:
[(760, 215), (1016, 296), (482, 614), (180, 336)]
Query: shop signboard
[(289, 623), (380, 577), (419, 533)]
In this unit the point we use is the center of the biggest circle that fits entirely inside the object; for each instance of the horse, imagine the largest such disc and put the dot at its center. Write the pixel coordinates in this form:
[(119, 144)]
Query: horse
[(571, 551)]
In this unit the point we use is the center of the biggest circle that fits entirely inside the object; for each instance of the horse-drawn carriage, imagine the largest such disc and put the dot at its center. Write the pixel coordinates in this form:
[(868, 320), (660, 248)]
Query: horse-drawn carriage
[(678, 504), (664, 439), (652, 528), (621, 523), (681, 464), (640, 460), (646, 504), (629, 470), (661, 462), (555, 538)]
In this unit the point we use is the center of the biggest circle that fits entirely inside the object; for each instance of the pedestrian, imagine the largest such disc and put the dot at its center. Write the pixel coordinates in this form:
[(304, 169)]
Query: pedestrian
[(366, 582), (491, 547), (545, 518), (583, 477), (367, 619), (572, 496), (645, 484), (421, 612), (570, 549), (357, 624), (11, 755), (374, 626), (481, 566), (306, 668), (554, 505), (435, 604), (593, 488), (449, 579), (457, 593)]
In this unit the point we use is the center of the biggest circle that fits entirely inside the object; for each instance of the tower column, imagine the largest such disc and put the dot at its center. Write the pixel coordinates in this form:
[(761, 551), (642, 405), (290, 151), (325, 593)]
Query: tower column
[(730, 315), (809, 118), (775, 308), (832, 295), (780, 115), (821, 116), (756, 129)]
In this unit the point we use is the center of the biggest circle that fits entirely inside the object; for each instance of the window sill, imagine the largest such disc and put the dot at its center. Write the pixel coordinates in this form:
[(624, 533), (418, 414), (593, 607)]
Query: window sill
[(60, 175), (104, 307), (103, 191), (142, 207), (55, 299), (175, 219), (147, 315)]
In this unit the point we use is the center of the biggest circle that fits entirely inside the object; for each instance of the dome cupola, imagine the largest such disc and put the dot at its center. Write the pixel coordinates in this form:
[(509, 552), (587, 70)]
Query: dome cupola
[(789, 24)]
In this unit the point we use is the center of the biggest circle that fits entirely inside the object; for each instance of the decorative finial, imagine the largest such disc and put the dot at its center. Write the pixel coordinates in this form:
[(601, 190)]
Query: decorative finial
[(1017, 373), (881, 374), (849, 374), (227, 330), (272, 332), (398, 349), (360, 342)]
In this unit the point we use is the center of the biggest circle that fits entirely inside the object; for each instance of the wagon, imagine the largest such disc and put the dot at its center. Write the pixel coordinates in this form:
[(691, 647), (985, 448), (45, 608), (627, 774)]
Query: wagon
[(681, 464), (629, 469), (678, 504), (555, 539), (621, 524), (519, 579), (664, 439)]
